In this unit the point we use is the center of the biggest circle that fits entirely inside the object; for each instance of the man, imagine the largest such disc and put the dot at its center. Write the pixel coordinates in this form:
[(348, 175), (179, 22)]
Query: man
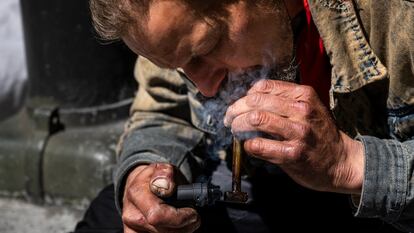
[(360, 147)]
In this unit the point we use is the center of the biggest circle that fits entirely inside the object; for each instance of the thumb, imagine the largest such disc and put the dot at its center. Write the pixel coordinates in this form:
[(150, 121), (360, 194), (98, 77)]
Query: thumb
[(162, 180)]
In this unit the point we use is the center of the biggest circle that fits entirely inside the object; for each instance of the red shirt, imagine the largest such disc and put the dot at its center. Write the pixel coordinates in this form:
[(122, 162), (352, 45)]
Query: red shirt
[(314, 65)]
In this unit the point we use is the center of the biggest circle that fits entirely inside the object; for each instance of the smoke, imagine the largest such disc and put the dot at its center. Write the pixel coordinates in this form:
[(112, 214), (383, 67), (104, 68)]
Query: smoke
[(234, 88)]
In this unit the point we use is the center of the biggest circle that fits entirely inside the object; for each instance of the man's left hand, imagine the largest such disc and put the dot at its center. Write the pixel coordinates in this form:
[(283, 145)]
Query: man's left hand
[(303, 138)]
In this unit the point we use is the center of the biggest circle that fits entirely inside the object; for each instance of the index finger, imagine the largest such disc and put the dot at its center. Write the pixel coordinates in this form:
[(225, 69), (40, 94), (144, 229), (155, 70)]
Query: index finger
[(274, 87)]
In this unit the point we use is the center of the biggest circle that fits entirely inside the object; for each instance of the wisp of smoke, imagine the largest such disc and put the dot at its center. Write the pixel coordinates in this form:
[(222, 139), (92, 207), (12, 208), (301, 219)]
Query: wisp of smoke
[(236, 87)]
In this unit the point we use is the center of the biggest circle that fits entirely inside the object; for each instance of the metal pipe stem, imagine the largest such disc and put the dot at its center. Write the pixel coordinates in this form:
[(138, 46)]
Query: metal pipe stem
[(237, 157)]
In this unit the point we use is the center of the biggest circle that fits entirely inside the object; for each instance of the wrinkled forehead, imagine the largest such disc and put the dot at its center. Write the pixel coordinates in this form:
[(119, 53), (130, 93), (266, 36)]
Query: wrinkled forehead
[(172, 32), (167, 21), (164, 19), (157, 35)]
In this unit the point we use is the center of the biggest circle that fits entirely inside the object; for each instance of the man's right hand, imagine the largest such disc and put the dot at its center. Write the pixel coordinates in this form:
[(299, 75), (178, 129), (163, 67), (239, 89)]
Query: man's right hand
[(145, 211)]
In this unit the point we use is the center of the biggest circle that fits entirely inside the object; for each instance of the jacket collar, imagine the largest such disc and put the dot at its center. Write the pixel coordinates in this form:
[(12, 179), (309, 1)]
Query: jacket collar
[(354, 64)]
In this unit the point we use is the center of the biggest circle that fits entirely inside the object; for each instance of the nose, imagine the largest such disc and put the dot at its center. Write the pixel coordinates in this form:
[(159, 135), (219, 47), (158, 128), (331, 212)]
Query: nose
[(207, 78)]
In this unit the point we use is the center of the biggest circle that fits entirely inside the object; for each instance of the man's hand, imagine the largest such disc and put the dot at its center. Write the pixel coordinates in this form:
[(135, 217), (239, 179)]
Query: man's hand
[(144, 211), (303, 138)]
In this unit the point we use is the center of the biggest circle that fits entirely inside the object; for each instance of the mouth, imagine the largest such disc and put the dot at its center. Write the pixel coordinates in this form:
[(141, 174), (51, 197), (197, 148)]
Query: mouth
[(240, 81)]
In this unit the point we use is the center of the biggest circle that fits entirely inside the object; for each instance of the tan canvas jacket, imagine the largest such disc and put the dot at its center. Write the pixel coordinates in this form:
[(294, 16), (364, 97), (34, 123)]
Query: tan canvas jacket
[(371, 49)]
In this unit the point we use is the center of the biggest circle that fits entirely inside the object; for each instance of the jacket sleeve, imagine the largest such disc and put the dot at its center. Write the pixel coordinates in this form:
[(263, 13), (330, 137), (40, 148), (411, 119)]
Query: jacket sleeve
[(388, 187), (158, 129)]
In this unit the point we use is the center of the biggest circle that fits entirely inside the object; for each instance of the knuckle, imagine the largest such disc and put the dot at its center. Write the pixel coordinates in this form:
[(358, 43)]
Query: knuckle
[(295, 152), (155, 216), (141, 221), (133, 220), (254, 100), (306, 91), (256, 146), (257, 118), (264, 86), (305, 108)]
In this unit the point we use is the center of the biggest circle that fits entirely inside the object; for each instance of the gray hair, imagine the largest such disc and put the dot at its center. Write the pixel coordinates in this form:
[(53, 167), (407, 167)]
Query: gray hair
[(111, 18)]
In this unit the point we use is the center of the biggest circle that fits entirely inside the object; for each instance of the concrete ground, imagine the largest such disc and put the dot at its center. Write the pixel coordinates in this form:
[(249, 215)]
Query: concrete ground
[(17, 216)]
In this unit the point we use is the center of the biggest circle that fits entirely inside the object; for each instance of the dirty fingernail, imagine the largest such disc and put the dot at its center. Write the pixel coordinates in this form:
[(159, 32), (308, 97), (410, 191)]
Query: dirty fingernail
[(161, 183)]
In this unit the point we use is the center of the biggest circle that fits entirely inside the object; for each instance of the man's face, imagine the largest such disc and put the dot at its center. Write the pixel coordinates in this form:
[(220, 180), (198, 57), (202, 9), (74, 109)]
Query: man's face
[(235, 37)]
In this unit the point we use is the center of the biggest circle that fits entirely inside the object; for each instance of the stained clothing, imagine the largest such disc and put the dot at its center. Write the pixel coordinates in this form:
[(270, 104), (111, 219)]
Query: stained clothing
[(370, 45)]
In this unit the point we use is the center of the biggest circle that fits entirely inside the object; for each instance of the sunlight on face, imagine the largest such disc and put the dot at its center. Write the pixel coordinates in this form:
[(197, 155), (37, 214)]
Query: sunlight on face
[(241, 36)]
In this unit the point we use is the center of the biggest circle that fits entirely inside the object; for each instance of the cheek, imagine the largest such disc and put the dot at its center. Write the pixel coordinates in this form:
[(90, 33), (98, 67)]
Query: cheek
[(241, 52), (229, 55), (243, 55), (267, 40)]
